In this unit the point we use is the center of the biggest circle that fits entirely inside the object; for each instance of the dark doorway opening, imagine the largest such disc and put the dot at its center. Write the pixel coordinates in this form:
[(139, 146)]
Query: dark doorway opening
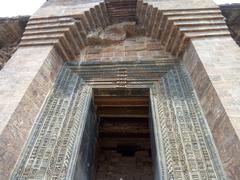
[(123, 148)]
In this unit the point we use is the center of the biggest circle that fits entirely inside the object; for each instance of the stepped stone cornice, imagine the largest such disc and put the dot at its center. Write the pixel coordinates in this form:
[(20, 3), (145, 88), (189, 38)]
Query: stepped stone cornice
[(174, 28)]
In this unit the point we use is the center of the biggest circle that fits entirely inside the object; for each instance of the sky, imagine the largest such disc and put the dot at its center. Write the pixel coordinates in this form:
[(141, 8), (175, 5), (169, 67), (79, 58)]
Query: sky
[(10, 8)]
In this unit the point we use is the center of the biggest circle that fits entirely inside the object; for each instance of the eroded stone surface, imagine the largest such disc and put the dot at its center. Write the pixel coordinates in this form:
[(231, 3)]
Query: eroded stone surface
[(113, 34)]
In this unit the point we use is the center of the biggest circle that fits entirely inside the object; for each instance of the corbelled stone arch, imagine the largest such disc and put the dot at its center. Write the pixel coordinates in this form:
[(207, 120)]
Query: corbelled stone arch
[(67, 33), (174, 28)]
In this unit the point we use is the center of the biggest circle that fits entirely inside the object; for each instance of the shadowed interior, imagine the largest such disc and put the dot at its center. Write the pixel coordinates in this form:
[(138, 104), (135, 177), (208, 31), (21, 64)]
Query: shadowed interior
[(123, 147)]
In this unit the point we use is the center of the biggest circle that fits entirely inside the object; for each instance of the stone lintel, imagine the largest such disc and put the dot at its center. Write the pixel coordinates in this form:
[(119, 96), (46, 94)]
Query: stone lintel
[(24, 83), (214, 66)]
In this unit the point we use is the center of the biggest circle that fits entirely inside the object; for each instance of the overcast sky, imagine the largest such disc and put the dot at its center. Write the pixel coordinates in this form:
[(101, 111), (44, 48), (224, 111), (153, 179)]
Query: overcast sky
[(28, 7)]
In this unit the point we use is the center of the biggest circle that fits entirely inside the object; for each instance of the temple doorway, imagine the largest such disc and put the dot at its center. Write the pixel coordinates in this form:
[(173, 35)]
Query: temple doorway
[(123, 148)]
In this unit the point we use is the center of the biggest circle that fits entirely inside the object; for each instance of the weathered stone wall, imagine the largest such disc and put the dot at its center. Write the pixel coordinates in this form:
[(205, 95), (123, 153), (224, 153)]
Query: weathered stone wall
[(232, 14), (11, 30)]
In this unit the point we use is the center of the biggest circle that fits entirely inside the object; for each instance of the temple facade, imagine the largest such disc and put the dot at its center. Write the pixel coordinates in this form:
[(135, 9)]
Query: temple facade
[(122, 89)]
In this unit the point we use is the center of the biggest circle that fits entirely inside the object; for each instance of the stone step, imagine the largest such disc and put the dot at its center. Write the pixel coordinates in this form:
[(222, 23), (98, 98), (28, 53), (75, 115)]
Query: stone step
[(80, 32), (42, 36), (32, 22), (47, 42), (127, 65), (80, 20), (130, 72), (167, 36), (199, 22), (168, 31), (213, 29), (90, 21), (105, 13), (45, 31), (138, 8), (84, 23), (79, 35), (196, 17), (151, 21), (207, 33), (177, 43), (73, 28), (147, 19), (181, 46), (192, 15), (101, 16), (204, 27), (61, 41), (191, 12), (80, 27), (46, 18), (121, 12), (142, 13), (165, 31), (156, 27), (183, 38), (174, 28), (172, 41), (73, 31), (117, 6), (124, 10), (95, 17), (51, 25)]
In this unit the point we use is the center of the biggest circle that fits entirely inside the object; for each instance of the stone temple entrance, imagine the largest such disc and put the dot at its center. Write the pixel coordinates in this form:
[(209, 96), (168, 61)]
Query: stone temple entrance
[(71, 137), (123, 149), (175, 49)]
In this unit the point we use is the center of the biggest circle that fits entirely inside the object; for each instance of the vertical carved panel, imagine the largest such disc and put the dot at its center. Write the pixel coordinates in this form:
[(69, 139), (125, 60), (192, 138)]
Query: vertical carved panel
[(185, 138), (52, 142)]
